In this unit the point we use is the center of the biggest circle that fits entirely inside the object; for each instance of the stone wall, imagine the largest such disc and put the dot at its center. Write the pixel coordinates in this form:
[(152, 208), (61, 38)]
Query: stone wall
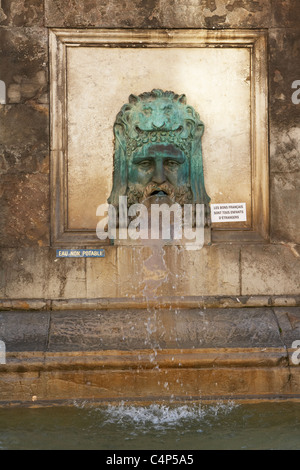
[(31, 276)]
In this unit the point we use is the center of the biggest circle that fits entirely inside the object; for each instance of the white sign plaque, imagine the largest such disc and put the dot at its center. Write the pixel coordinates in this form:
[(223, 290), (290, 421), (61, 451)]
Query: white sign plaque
[(231, 212)]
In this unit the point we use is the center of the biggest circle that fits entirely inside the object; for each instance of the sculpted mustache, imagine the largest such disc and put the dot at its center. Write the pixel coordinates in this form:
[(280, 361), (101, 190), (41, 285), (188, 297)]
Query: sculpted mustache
[(165, 187)]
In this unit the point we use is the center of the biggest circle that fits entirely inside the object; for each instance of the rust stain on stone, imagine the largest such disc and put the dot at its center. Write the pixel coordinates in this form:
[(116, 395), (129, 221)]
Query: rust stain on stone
[(39, 107), (248, 5)]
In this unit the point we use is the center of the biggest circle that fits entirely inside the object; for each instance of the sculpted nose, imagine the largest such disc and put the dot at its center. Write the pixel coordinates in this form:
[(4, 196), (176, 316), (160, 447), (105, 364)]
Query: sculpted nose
[(158, 124), (158, 120), (159, 173)]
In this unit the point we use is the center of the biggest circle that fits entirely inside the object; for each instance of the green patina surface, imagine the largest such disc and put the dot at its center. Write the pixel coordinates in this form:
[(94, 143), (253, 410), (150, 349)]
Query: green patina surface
[(158, 150)]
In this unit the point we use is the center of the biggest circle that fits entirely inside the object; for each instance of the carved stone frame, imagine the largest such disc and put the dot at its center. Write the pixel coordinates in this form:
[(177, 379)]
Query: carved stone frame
[(254, 40)]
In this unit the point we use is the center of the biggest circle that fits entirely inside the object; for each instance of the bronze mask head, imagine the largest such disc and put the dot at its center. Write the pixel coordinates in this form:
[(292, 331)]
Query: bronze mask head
[(158, 150)]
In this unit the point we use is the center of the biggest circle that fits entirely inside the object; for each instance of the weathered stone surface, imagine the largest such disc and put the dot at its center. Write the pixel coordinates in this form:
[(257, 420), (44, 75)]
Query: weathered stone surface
[(289, 324), (285, 203), (24, 126), (24, 63), (265, 271), (131, 329), (272, 270), (107, 13), (24, 159), (285, 150), (36, 273), (214, 13), (21, 13), (214, 328), (24, 331), (65, 277), (24, 273), (285, 13), (172, 270), (2, 277), (25, 210), (163, 13), (213, 270), (193, 374), (284, 69), (24, 165), (102, 278), (99, 330)]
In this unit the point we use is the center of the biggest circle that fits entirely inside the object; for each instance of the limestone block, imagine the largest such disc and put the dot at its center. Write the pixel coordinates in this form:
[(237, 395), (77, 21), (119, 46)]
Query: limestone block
[(24, 140), (37, 273), (168, 14), (22, 13), (285, 203), (24, 273), (285, 150), (213, 270), (162, 270), (284, 69), (65, 277), (113, 13), (24, 59), (285, 12), (269, 270), (2, 277), (214, 14), (24, 125), (102, 275), (132, 270), (25, 210)]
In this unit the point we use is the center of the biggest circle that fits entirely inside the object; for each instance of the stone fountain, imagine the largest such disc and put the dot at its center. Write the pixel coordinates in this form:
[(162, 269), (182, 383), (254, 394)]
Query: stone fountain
[(151, 342)]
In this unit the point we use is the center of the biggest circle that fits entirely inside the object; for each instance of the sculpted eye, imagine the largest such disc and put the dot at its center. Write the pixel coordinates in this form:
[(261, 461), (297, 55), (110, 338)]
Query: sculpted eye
[(172, 164), (145, 164), (167, 109)]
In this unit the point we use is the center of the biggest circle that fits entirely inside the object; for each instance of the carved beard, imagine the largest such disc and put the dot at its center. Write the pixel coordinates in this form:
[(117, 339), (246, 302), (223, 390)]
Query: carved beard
[(137, 194)]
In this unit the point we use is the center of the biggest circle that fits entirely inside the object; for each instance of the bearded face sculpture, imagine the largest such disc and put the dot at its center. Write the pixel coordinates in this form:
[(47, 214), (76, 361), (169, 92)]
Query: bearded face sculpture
[(158, 151)]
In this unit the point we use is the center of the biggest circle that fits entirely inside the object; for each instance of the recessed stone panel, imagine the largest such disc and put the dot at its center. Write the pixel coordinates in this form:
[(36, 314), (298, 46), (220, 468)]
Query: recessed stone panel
[(215, 72)]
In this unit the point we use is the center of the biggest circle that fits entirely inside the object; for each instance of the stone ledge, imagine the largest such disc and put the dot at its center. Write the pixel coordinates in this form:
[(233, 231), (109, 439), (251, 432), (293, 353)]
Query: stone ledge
[(145, 359), (42, 379), (134, 329)]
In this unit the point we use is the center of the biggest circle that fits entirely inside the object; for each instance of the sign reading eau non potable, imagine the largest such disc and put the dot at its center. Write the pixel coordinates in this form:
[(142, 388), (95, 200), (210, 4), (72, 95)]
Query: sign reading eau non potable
[(82, 253)]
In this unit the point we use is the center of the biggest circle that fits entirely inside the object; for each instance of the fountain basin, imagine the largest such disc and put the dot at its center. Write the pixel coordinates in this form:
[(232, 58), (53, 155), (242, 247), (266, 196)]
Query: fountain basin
[(148, 355)]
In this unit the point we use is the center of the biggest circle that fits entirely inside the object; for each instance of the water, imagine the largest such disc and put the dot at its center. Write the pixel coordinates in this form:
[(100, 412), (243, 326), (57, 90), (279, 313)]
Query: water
[(154, 427)]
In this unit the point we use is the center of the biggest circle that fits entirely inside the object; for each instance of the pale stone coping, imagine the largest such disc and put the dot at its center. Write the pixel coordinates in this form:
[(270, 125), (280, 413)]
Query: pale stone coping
[(243, 301)]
